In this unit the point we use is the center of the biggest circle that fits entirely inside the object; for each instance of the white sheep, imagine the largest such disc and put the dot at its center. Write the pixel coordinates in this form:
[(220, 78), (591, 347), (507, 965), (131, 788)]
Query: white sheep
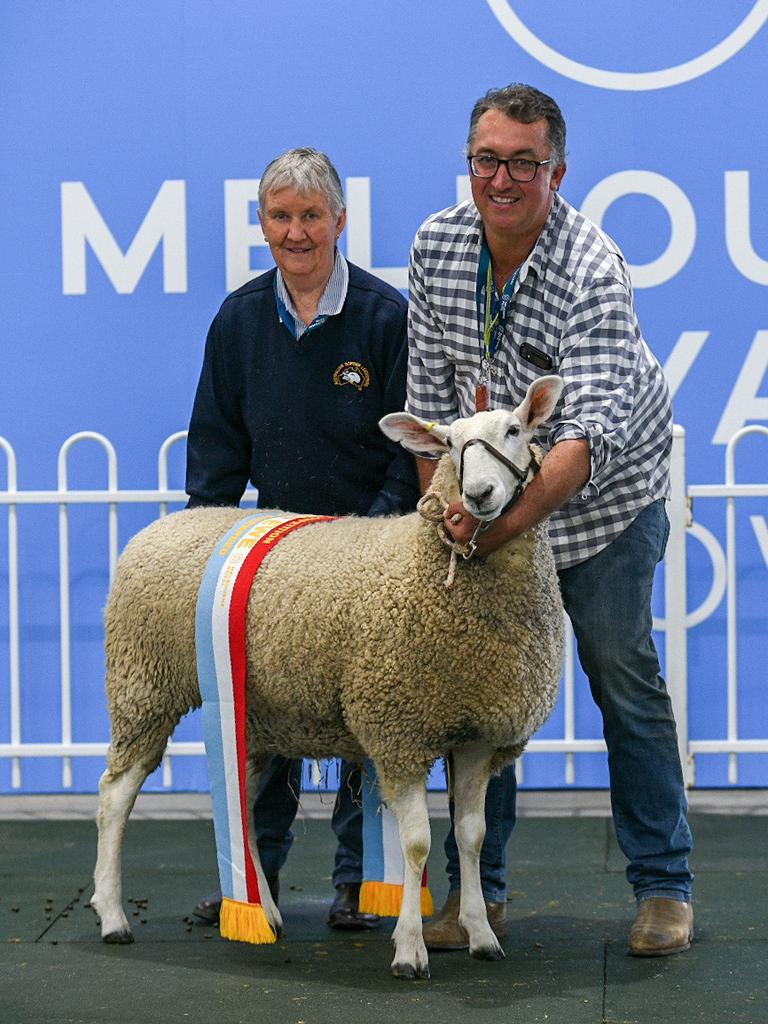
[(355, 648)]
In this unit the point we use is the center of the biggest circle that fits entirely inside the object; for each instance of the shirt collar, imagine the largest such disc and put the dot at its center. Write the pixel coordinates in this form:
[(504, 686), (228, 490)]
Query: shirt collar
[(537, 258), (331, 301)]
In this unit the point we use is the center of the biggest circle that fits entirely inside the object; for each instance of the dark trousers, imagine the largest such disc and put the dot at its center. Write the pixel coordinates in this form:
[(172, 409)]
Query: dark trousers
[(608, 600), (275, 806)]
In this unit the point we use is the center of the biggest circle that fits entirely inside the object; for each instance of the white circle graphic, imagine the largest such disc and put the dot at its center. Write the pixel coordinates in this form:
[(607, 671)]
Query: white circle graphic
[(635, 81), (679, 210), (712, 601)]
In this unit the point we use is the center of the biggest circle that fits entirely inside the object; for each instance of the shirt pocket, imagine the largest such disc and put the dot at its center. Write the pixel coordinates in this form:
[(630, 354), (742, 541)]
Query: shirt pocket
[(531, 347)]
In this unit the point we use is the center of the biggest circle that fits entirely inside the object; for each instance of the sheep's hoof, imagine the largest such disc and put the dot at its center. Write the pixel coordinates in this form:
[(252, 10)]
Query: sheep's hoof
[(122, 938), (488, 953), (407, 972)]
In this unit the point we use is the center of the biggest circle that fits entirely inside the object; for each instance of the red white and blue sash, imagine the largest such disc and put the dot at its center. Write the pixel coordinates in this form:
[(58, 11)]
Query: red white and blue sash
[(220, 644), (221, 661)]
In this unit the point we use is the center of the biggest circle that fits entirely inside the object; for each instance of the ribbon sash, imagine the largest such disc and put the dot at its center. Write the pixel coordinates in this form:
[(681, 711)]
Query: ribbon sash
[(221, 662), (221, 666)]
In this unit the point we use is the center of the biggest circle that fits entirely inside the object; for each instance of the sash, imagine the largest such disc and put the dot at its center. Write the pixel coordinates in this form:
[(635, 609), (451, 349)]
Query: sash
[(220, 648), (382, 889), (221, 660)]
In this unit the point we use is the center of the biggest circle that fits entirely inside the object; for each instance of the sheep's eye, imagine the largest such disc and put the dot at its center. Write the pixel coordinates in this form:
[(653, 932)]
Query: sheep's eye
[(448, 443), (513, 431)]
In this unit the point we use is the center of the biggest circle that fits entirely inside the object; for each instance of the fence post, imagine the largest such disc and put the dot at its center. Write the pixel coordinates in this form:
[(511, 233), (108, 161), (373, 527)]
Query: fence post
[(13, 612), (675, 601), (65, 653)]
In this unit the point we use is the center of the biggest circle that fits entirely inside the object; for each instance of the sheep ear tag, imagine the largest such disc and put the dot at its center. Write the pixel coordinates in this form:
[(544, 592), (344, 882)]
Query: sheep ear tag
[(417, 436), (221, 661)]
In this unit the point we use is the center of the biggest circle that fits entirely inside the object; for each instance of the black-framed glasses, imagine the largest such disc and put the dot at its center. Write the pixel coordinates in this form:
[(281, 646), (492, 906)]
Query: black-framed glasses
[(483, 165)]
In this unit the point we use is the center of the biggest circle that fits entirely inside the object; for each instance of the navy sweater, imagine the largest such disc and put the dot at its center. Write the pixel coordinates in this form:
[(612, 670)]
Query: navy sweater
[(300, 418)]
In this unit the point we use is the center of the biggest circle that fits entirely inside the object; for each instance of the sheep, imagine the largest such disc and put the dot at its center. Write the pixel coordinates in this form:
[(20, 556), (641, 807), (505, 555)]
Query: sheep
[(355, 648)]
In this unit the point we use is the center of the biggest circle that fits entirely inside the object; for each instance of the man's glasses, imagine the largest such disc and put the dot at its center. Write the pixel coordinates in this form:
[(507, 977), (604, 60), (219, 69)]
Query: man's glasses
[(485, 166)]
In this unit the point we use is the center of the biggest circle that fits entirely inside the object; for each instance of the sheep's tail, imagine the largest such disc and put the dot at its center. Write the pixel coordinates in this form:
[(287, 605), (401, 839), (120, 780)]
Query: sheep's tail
[(432, 507)]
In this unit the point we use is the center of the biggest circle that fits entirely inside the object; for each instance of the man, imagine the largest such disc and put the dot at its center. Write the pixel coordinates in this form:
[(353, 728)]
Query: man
[(505, 288), (300, 364)]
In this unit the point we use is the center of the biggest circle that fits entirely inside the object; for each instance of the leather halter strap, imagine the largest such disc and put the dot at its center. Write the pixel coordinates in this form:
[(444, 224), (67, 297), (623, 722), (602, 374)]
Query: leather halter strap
[(521, 474)]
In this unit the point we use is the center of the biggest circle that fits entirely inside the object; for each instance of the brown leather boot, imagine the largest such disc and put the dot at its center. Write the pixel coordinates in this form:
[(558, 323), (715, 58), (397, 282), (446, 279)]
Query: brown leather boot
[(443, 931), (662, 927)]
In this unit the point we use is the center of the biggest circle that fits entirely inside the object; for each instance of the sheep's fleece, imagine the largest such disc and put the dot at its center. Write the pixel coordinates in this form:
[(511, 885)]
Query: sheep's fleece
[(354, 645)]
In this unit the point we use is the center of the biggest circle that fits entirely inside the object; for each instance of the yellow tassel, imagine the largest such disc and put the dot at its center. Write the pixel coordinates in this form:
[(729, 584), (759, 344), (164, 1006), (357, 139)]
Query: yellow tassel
[(380, 898), (384, 899), (244, 922)]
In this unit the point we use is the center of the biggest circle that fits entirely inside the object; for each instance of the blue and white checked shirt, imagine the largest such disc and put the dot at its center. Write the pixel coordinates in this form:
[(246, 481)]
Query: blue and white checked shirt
[(572, 301)]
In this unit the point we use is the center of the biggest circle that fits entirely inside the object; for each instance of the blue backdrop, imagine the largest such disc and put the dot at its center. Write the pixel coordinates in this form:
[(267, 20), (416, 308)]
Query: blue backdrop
[(133, 135)]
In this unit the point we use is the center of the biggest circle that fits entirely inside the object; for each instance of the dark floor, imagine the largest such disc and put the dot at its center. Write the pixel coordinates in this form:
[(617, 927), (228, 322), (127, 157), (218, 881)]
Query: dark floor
[(570, 911)]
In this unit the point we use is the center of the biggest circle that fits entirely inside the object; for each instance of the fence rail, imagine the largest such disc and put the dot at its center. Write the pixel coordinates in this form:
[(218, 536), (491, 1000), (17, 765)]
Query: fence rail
[(675, 624)]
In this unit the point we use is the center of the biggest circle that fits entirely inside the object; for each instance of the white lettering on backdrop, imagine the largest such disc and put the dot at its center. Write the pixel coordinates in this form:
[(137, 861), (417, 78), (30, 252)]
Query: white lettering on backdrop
[(82, 224)]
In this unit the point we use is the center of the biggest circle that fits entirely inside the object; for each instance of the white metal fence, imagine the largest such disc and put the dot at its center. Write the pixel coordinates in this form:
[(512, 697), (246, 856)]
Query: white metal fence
[(724, 578), (675, 624)]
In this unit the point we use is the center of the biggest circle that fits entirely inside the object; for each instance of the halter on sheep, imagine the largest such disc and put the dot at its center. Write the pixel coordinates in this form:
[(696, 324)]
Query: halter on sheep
[(352, 647), (502, 435)]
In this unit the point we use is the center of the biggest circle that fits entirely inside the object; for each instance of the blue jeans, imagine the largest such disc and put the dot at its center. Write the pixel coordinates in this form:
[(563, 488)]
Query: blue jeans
[(608, 599), (275, 806)]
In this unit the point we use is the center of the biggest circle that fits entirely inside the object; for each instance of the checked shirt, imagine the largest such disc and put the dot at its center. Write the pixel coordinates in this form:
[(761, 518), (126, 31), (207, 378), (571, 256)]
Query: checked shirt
[(573, 303)]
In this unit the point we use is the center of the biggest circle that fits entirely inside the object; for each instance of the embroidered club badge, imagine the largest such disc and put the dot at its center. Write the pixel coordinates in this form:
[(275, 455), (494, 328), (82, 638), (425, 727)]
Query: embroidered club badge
[(352, 373)]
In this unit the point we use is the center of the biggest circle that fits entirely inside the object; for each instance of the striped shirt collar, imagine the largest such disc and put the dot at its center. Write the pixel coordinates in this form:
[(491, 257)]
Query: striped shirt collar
[(331, 301)]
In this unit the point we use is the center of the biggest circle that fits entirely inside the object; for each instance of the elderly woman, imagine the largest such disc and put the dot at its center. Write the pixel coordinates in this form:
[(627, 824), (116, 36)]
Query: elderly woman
[(300, 364)]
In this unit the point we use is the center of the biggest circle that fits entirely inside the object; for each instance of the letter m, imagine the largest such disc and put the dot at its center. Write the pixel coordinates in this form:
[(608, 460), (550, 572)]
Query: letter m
[(82, 223)]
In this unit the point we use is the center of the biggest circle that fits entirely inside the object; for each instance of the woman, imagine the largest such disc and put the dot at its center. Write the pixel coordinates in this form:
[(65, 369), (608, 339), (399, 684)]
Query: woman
[(300, 364)]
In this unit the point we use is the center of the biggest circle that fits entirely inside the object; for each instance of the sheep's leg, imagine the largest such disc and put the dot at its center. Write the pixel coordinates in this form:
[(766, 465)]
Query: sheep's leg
[(117, 795), (410, 808), (252, 774), (470, 782)]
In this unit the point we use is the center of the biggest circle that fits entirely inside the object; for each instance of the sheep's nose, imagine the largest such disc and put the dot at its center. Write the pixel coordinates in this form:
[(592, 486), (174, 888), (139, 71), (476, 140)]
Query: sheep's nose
[(479, 498)]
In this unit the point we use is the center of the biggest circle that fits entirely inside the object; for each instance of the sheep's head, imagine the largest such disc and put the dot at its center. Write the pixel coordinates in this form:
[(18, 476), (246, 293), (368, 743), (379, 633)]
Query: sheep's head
[(490, 450)]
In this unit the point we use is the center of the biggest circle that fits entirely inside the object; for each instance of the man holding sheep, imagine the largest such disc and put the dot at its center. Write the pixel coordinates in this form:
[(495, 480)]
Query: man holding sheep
[(512, 285), (300, 364)]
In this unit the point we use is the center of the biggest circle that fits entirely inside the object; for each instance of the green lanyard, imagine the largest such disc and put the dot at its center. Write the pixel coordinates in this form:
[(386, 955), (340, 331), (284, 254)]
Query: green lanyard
[(492, 313), (493, 322)]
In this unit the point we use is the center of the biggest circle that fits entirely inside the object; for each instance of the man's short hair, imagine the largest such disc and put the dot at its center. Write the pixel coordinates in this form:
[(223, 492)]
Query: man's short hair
[(305, 170), (525, 104)]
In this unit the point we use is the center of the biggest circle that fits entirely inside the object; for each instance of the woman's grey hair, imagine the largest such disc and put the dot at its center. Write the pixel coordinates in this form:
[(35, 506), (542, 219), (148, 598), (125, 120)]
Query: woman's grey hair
[(305, 170), (525, 104)]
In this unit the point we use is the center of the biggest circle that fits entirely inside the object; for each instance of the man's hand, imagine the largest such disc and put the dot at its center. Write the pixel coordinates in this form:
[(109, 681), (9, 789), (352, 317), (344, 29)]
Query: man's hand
[(564, 470), (462, 531)]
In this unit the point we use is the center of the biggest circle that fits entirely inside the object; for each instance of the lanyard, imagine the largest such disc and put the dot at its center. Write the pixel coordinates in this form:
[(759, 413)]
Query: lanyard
[(492, 313), (288, 319)]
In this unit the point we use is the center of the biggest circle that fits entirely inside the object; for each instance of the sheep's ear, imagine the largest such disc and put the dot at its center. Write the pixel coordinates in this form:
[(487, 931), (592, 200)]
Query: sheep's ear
[(418, 436), (539, 402)]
